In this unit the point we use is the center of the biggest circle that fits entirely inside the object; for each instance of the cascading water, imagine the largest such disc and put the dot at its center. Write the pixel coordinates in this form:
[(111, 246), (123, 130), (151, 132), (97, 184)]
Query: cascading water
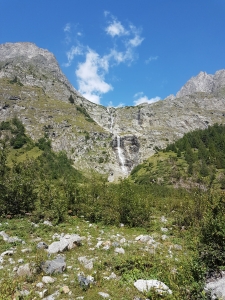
[(121, 156), (111, 119)]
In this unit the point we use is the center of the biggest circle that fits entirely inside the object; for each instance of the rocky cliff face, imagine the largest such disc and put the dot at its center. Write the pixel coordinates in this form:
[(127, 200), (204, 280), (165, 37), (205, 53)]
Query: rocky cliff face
[(109, 140), (203, 82)]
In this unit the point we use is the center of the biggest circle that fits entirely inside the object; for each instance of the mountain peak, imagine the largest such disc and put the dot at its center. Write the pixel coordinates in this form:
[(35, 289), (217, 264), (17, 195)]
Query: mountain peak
[(25, 49)]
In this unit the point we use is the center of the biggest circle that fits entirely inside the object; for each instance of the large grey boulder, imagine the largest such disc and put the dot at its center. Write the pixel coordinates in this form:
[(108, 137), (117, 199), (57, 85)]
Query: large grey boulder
[(57, 265), (66, 242), (217, 288), (146, 285)]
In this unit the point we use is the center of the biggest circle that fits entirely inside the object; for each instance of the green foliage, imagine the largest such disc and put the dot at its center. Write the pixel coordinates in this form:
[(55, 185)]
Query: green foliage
[(83, 111), (71, 100), (5, 125), (212, 242), (44, 144), (15, 80)]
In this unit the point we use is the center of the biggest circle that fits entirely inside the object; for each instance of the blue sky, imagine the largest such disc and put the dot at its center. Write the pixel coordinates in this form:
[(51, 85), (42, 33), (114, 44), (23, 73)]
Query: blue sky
[(122, 52)]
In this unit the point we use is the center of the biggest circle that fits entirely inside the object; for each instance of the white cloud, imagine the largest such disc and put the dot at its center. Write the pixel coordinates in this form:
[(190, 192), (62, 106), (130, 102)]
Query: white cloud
[(116, 28), (92, 71), (151, 58), (72, 53), (91, 76), (141, 98), (67, 27), (136, 41)]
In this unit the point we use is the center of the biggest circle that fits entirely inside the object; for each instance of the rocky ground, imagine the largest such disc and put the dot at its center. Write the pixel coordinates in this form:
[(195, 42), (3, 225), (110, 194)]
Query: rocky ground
[(80, 260)]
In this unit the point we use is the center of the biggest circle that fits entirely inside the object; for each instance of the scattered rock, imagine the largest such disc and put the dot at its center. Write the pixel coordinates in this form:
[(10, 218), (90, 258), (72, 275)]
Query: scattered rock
[(104, 295), (42, 245), (85, 282), (163, 219), (8, 252), (66, 242), (87, 263), (48, 279), (216, 288), (40, 285), (145, 286), (144, 239), (52, 296), (48, 223), (120, 250), (65, 289), (24, 270), (57, 265)]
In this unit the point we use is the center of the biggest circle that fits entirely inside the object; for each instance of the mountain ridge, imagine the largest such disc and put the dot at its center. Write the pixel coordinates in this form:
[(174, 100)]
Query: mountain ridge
[(40, 98)]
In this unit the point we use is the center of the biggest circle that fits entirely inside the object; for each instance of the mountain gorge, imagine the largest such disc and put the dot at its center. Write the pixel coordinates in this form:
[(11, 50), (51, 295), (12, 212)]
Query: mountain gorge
[(109, 140)]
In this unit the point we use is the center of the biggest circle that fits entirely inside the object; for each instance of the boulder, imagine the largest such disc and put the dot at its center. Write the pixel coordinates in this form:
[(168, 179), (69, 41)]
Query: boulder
[(66, 242), (146, 285), (57, 265), (217, 288)]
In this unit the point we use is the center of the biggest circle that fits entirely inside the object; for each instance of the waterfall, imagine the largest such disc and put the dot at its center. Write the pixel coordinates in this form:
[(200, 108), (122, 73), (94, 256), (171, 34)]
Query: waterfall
[(111, 119), (121, 156)]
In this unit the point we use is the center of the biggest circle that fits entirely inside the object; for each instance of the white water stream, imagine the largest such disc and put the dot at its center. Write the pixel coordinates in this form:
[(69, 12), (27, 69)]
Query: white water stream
[(121, 156)]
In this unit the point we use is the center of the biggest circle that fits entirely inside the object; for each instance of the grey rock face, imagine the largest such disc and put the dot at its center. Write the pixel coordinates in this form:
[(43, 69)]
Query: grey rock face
[(34, 66), (57, 265), (142, 129), (203, 82)]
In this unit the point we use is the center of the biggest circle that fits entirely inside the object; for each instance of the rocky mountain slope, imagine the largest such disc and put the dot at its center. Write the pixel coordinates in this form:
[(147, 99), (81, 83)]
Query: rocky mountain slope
[(109, 140)]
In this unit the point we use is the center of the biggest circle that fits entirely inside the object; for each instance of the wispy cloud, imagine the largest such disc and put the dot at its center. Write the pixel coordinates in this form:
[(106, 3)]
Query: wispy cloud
[(92, 71), (151, 58), (78, 50), (141, 98), (67, 27), (115, 28)]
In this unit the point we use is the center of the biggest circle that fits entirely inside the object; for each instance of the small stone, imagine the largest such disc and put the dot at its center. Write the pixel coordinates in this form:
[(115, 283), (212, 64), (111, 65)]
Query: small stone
[(48, 279), (177, 247), (26, 250), (40, 285), (163, 229), (104, 295), (42, 245), (87, 263), (48, 223), (120, 250), (163, 219), (65, 289), (20, 261), (24, 270), (9, 252)]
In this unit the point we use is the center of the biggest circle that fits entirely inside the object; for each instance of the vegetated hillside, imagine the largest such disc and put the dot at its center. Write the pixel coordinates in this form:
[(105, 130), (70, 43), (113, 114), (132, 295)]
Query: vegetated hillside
[(196, 160), (171, 235), (33, 88)]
